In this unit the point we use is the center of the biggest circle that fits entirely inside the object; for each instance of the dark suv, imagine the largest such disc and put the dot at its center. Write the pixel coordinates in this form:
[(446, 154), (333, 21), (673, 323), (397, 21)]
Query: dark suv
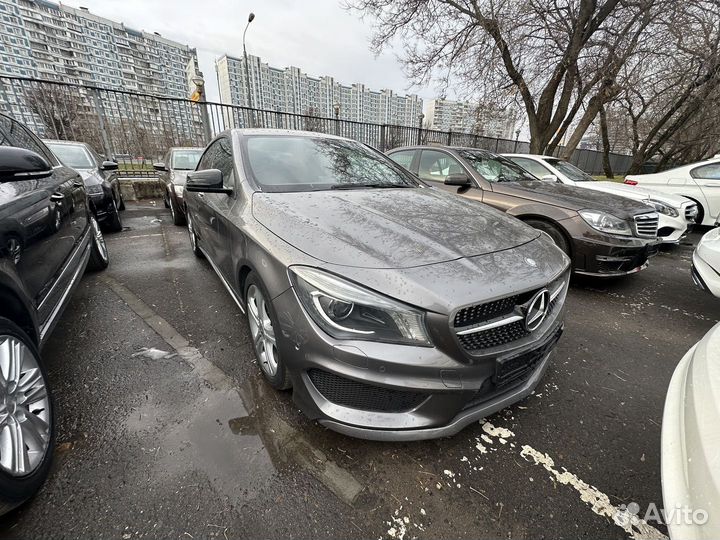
[(48, 236)]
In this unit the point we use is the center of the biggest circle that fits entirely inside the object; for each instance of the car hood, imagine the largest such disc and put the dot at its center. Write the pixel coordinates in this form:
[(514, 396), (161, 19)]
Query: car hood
[(635, 192), (179, 176), (388, 228), (571, 197), (690, 435), (90, 177)]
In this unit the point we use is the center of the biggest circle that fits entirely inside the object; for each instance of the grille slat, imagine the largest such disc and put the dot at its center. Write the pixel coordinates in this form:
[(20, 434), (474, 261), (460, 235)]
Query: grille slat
[(646, 225), (363, 396)]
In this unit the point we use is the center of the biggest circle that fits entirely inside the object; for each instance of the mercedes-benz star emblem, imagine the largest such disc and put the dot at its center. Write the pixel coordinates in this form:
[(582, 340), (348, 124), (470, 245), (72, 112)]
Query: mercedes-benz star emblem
[(536, 310)]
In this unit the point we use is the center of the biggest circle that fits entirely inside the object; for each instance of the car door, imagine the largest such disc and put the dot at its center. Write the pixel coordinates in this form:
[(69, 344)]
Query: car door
[(202, 214), (707, 177), (434, 166), (220, 207), (49, 216)]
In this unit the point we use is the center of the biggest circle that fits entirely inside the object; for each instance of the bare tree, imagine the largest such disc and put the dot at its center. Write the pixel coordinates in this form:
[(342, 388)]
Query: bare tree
[(553, 57)]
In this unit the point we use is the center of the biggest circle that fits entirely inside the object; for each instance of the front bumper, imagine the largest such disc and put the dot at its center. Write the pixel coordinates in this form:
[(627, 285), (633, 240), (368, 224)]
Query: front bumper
[(383, 391), (603, 255), (103, 205), (671, 230), (705, 276)]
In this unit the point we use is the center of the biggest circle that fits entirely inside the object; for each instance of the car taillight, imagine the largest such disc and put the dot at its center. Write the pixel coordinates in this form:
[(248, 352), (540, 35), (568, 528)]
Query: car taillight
[(630, 182)]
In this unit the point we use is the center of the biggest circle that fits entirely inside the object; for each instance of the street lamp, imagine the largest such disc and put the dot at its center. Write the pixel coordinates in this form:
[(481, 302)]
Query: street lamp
[(248, 97), (421, 117), (517, 136), (199, 83), (336, 107)]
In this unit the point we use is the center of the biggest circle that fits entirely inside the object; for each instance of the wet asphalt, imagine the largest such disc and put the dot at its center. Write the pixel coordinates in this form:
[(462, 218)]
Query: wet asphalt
[(165, 428)]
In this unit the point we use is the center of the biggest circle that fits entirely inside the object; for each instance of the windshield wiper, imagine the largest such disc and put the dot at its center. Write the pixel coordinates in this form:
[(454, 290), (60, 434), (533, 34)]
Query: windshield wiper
[(368, 186)]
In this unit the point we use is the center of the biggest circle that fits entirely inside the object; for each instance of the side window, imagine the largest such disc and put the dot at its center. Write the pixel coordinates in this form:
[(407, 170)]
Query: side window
[(219, 156), (531, 166), (207, 161), (435, 166), (224, 162), (403, 158), (707, 172), (15, 134)]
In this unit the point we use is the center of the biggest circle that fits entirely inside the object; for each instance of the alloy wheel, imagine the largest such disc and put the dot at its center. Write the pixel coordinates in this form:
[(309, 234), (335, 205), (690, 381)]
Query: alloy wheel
[(261, 328), (24, 409), (98, 238)]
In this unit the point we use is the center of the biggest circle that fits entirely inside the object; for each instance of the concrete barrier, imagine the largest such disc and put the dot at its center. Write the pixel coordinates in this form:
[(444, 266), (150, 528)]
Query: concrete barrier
[(134, 189)]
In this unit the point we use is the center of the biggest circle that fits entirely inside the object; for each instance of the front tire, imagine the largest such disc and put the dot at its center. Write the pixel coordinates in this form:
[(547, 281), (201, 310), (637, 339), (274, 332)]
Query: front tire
[(556, 234), (27, 429), (264, 327), (99, 258), (177, 217), (193, 237), (114, 222)]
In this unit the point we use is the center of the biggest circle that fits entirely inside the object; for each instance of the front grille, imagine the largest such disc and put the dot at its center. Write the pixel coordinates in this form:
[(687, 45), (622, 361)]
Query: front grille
[(499, 322), (646, 225), (501, 335), (363, 396)]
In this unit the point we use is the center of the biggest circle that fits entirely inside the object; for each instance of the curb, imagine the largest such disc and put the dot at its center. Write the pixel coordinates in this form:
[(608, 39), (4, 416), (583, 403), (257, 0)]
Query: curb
[(135, 189)]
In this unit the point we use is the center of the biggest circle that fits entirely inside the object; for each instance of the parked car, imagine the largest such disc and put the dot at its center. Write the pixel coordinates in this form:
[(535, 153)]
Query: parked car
[(698, 181), (48, 235), (706, 262), (100, 178), (605, 235), (689, 443), (393, 310), (677, 214), (173, 173)]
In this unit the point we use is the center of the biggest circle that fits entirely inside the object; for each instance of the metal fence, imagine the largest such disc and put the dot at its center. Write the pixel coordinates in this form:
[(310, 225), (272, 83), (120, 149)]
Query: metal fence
[(137, 129)]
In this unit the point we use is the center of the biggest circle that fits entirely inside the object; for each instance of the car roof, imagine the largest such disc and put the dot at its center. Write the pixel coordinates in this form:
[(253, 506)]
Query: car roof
[(442, 147), (535, 156), (244, 132), (187, 148), (68, 143)]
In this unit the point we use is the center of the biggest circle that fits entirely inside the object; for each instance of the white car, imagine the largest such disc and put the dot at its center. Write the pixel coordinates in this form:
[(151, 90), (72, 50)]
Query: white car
[(698, 181), (689, 443), (706, 263), (676, 213)]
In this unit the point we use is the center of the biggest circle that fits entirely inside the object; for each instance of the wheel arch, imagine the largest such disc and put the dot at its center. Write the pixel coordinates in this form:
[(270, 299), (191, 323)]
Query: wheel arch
[(14, 308), (553, 223)]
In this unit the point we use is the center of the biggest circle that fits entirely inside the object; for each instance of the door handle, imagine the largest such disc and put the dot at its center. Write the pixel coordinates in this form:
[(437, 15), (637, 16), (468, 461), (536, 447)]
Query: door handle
[(77, 183), (57, 197)]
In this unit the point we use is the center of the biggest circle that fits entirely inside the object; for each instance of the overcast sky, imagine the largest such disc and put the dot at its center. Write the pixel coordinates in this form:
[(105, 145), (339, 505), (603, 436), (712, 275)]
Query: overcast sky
[(318, 36)]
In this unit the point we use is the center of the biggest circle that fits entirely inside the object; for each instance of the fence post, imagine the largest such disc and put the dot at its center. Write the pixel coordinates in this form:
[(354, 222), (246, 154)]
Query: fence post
[(107, 147), (383, 138), (449, 143)]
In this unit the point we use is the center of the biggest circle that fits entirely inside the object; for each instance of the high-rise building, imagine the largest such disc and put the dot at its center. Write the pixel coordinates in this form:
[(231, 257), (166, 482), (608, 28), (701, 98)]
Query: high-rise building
[(290, 90), (45, 40), (465, 117)]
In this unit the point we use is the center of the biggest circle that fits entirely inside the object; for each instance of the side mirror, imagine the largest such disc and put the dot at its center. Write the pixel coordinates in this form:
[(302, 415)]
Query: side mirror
[(109, 166), (20, 164), (160, 166), (457, 179), (549, 178), (206, 181)]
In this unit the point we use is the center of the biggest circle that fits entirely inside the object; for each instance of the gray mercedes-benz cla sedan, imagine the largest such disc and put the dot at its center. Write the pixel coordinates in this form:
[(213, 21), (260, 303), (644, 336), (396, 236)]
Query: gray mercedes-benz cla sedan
[(392, 309)]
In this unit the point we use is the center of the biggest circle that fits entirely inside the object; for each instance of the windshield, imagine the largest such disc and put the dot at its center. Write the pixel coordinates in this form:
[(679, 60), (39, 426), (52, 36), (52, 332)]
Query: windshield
[(289, 163), (73, 155), (570, 170), (495, 168), (186, 160)]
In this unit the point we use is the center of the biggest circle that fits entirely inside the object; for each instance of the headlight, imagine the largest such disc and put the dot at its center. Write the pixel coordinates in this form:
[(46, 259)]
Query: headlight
[(605, 222), (178, 189), (662, 208), (94, 189), (348, 311)]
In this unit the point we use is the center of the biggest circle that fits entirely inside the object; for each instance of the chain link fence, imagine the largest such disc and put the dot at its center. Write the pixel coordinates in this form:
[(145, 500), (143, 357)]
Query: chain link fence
[(136, 129)]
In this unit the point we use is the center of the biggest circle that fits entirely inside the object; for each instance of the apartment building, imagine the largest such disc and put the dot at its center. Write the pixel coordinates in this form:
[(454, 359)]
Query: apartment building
[(465, 117), (52, 41), (291, 90)]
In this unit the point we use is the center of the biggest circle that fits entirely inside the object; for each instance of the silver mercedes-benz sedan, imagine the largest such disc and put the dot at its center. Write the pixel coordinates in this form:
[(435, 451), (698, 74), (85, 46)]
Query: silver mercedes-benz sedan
[(394, 310)]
